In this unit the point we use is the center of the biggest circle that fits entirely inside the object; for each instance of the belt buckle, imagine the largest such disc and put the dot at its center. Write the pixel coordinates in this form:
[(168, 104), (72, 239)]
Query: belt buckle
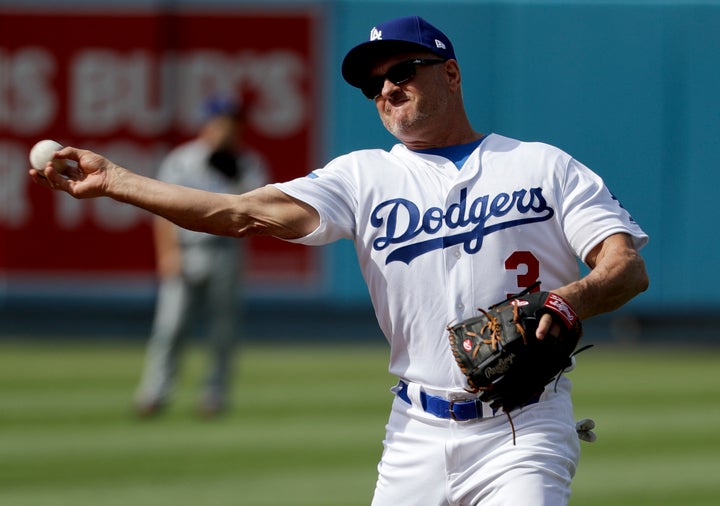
[(476, 402), (451, 410)]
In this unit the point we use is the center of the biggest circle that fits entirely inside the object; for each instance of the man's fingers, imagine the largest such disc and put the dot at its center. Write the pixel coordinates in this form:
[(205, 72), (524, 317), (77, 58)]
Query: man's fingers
[(547, 326)]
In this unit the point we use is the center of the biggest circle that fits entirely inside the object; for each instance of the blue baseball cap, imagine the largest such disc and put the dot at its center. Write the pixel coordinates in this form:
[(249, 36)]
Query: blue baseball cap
[(221, 105), (392, 37)]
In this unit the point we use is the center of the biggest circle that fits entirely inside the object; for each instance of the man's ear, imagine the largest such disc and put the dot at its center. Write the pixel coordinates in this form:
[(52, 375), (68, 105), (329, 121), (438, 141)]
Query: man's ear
[(452, 70)]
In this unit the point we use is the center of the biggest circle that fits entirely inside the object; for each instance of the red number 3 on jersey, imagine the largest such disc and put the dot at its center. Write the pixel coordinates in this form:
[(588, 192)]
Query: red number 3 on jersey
[(531, 272)]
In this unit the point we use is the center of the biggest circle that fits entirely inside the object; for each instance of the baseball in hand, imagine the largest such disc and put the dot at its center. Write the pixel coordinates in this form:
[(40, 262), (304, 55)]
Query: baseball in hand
[(42, 152)]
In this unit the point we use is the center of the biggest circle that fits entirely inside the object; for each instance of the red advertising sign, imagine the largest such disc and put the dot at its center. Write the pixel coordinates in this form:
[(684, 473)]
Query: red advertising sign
[(129, 86)]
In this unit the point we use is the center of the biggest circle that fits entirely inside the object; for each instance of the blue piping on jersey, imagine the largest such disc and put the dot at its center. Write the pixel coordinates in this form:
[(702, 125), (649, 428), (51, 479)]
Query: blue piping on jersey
[(457, 154)]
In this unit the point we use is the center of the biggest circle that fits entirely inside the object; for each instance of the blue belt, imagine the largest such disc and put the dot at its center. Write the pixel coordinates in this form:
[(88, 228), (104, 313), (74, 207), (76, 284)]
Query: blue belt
[(443, 408), (455, 410)]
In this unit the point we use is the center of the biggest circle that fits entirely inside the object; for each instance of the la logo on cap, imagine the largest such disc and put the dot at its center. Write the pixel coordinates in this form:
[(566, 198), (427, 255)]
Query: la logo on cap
[(375, 34)]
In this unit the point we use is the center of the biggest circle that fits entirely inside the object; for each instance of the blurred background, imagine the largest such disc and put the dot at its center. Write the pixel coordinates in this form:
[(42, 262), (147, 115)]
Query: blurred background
[(628, 88)]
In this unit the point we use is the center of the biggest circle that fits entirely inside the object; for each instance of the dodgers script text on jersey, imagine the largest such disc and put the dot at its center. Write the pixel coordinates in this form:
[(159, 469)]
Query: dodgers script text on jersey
[(401, 220)]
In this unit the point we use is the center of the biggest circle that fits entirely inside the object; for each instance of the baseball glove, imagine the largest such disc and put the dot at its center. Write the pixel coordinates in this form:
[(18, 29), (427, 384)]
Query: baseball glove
[(500, 355)]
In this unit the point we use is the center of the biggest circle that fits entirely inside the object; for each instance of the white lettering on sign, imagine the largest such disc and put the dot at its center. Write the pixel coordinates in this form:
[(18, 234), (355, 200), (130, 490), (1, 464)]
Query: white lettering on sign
[(27, 100), (112, 90), (146, 94)]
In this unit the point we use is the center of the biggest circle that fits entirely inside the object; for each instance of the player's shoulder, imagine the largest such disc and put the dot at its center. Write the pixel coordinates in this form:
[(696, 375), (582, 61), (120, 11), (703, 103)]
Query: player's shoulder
[(502, 144), (188, 157), (509, 152), (361, 159), (253, 159), (365, 154), (189, 150)]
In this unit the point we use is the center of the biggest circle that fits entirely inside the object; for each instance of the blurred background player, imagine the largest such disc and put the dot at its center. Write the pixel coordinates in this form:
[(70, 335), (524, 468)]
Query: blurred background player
[(200, 274)]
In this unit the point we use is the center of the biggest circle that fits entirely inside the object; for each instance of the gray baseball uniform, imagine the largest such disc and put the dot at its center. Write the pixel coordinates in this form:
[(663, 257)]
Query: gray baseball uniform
[(208, 284)]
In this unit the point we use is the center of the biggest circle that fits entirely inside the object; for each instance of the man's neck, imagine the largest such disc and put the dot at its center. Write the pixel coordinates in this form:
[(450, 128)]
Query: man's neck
[(457, 130), (452, 139)]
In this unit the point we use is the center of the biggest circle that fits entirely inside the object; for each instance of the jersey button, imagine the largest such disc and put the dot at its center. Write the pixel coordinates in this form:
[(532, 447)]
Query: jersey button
[(461, 306), (457, 253)]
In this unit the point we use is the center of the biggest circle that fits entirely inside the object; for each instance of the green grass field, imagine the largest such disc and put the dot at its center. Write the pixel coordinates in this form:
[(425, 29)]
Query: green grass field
[(303, 432)]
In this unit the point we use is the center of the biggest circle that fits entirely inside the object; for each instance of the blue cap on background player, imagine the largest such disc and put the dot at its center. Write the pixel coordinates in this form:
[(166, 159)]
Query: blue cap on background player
[(221, 105), (392, 37)]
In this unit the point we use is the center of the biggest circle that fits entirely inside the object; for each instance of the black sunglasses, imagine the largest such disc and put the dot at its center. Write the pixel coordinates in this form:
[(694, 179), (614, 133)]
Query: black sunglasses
[(397, 74)]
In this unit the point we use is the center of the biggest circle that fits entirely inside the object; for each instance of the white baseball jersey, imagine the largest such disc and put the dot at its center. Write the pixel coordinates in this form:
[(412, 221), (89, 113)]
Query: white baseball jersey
[(435, 243)]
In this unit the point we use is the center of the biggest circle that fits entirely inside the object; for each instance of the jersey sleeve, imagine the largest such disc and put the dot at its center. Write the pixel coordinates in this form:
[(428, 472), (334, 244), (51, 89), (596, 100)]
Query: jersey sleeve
[(332, 193), (591, 213)]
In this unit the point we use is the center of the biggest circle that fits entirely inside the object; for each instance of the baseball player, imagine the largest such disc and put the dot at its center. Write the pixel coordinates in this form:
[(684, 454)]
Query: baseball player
[(200, 273), (447, 221)]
